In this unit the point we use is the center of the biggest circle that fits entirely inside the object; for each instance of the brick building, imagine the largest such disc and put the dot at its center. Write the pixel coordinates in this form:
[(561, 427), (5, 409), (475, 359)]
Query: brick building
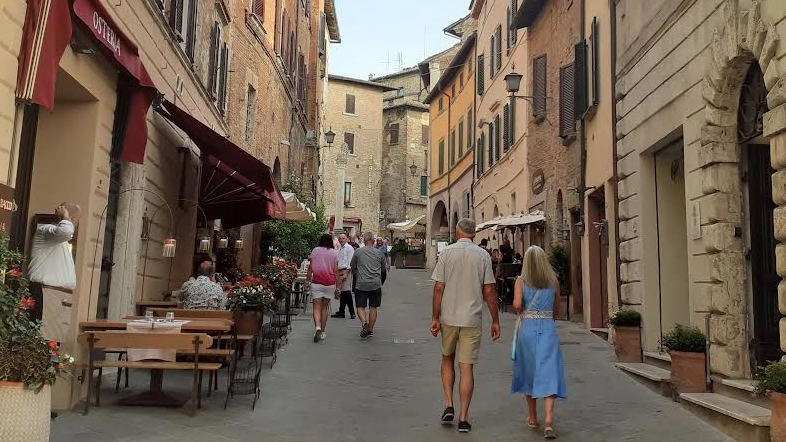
[(351, 168)]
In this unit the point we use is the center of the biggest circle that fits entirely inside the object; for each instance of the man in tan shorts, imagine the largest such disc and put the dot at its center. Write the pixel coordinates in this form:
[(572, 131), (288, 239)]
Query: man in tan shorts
[(463, 278)]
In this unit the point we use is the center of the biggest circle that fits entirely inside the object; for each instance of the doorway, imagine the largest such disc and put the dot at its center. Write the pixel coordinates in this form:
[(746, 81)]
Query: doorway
[(673, 279), (598, 239)]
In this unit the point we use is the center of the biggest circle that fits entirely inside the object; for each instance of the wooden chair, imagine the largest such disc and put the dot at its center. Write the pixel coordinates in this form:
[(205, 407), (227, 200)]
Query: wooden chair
[(196, 342)]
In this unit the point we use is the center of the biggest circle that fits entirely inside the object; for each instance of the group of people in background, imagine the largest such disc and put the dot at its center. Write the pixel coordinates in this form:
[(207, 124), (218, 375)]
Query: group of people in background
[(339, 268), (463, 281)]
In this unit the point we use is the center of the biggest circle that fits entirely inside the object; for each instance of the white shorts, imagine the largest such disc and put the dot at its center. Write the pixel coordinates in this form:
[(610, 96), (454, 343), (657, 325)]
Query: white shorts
[(322, 291)]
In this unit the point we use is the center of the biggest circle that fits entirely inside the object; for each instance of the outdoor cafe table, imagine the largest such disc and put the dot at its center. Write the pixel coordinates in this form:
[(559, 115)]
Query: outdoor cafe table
[(155, 396)]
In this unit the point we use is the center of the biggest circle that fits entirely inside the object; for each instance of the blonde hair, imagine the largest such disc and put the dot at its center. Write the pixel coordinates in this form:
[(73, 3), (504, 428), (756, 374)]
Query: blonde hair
[(537, 271)]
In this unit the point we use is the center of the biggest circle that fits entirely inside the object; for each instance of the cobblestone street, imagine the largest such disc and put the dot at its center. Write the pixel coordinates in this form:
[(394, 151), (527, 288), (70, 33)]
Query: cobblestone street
[(388, 389)]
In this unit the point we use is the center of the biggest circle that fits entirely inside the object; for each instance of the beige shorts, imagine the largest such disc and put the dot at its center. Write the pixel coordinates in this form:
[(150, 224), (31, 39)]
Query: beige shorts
[(464, 342)]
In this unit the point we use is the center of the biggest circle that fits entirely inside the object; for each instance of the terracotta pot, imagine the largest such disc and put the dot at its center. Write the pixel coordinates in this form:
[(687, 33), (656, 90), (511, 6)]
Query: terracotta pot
[(24, 414), (248, 322), (778, 418), (627, 344), (688, 373)]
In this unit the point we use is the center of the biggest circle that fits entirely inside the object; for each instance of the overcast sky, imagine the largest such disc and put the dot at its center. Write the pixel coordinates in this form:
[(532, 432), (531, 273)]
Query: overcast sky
[(373, 31)]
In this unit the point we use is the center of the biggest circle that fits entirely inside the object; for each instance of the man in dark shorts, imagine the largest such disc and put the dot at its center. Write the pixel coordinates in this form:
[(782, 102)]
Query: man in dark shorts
[(369, 269)]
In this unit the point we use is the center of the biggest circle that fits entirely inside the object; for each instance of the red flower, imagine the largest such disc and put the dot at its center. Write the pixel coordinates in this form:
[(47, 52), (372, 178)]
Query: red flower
[(28, 303), (15, 272), (54, 344)]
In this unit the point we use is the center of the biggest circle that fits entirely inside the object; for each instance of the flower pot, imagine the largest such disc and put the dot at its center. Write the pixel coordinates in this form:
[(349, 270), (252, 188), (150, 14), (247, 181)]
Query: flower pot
[(688, 373), (627, 344), (24, 414), (778, 418), (248, 322)]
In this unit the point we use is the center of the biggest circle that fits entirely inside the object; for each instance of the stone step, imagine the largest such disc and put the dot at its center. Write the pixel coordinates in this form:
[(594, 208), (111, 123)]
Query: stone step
[(741, 389), (658, 359), (653, 377), (602, 332), (741, 420)]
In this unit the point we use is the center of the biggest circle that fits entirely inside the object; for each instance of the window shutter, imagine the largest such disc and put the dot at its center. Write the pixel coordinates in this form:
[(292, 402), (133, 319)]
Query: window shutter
[(453, 147), (258, 9), (441, 156), (514, 7), (497, 137), (539, 87), (424, 134), (595, 36), (212, 70), (470, 128), (191, 30), (512, 123), (423, 185), (580, 104), (160, 4), (490, 149), (492, 55), (222, 91), (349, 140), (481, 75), (481, 151), (506, 130), (393, 130), (322, 32), (460, 139), (567, 116), (499, 48), (176, 17), (509, 40), (350, 105)]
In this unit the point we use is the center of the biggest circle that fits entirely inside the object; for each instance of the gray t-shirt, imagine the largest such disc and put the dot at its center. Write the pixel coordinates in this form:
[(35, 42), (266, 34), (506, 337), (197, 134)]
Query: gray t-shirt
[(464, 268), (368, 263)]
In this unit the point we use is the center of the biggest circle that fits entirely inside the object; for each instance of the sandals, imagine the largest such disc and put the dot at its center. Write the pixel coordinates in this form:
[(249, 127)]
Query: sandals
[(549, 433), (533, 426)]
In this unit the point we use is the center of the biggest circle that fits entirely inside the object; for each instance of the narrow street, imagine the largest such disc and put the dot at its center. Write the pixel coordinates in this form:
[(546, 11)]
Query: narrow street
[(388, 389)]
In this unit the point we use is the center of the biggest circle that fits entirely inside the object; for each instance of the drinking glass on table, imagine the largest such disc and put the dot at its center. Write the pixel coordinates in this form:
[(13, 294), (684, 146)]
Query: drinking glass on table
[(170, 316), (149, 315)]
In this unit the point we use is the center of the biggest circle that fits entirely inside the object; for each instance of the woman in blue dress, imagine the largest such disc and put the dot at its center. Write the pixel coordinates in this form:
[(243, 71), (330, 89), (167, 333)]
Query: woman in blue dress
[(538, 370)]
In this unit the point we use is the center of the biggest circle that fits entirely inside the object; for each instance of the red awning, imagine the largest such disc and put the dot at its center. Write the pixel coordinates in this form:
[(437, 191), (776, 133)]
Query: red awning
[(236, 188), (45, 36)]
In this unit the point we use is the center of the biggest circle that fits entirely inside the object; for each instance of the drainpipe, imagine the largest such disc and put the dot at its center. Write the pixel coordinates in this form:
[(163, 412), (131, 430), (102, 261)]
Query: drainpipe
[(615, 178), (474, 141), (582, 188)]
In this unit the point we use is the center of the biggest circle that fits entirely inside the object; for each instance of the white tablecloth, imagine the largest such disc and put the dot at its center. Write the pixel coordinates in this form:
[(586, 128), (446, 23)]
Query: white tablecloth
[(144, 326)]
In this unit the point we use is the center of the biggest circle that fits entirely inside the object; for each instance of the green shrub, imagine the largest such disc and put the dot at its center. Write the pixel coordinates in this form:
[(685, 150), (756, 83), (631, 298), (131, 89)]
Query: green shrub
[(625, 318), (559, 257), (771, 378), (685, 339)]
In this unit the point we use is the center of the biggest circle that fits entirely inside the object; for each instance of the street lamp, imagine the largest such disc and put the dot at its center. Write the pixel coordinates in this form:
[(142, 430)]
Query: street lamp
[(413, 168), (330, 136), (513, 84)]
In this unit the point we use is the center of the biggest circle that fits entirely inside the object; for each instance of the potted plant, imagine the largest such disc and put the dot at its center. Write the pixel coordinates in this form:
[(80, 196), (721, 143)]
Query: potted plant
[(627, 335), (29, 364), (280, 275), (250, 299), (397, 254), (771, 382), (687, 347)]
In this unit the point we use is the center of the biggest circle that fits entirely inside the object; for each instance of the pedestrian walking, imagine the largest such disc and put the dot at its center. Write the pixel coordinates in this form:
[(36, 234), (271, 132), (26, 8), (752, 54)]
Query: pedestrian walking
[(344, 283), (323, 274), (538, 370), (463, 278), (369, 268)]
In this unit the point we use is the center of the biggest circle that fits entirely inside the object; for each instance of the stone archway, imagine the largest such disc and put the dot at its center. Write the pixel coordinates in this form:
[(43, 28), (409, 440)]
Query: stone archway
[(439, 221), (718, 213)]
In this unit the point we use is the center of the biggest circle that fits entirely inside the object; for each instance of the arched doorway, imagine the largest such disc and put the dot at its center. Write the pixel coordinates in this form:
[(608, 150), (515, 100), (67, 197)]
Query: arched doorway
[(277, 171), (454, 223), (439, 222), (760, 236)]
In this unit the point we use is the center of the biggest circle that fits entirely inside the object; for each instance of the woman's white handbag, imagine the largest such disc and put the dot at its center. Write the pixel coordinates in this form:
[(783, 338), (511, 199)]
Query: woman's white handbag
[(515, 337)]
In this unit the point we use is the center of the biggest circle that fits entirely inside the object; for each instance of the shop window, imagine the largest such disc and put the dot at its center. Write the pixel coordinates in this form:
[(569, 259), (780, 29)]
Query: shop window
[(349, 140), (567, 116), (349, 106), (539, 87)]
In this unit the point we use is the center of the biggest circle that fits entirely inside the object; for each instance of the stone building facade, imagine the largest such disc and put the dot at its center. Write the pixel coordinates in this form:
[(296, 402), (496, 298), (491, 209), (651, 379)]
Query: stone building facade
[(502, 184), (452, 147), (553, 147), (701, 142), (351, 168)]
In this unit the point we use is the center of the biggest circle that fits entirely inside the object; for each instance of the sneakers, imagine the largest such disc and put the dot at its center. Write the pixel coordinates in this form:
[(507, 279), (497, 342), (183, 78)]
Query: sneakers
[(464, 427), (351, 316), (323, 336), (370, 333), (317, 335), (364, 331), (448, 415)]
